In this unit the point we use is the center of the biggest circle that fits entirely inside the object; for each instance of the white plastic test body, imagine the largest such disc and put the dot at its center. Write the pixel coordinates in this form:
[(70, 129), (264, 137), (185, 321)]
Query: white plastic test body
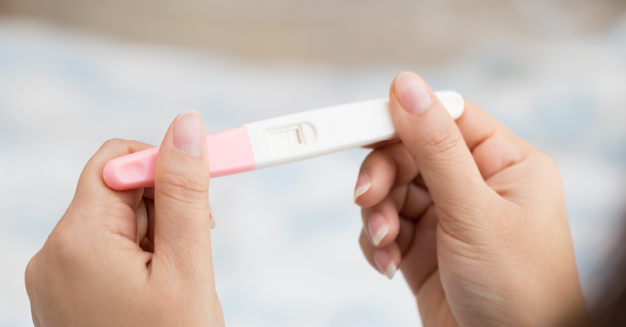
[(280, 140), (318, 132)]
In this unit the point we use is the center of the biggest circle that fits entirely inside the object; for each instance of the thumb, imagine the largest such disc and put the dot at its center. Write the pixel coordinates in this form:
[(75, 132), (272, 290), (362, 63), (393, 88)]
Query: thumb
[(182, 232), (437, 146)]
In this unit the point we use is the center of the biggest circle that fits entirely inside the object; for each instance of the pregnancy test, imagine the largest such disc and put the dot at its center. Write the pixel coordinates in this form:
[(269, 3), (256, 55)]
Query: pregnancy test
[(278, 141)]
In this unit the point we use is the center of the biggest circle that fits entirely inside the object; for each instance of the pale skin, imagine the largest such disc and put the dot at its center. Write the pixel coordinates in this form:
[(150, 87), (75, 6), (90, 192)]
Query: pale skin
[(133, 258), (472, 215)]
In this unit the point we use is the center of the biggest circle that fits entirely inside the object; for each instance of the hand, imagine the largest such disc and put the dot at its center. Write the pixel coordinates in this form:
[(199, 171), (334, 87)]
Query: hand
[(473, 216), (133, 258)]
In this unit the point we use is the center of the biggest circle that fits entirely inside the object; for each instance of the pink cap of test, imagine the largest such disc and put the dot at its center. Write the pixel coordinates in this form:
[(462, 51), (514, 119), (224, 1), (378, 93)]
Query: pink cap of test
[(229, 153)]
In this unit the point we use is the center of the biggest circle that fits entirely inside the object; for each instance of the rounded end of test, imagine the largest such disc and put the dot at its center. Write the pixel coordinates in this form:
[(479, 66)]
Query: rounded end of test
[(119, 175), (131, 171), (453, 102)]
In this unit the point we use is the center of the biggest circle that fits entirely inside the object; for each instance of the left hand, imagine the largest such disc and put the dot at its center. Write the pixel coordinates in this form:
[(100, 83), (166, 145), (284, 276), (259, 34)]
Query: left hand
[(133, 258)]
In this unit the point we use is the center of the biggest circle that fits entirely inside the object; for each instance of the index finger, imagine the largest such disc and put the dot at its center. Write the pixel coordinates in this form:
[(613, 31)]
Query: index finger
[(93, 196), (91, 181), (383, 169), (493, 146)]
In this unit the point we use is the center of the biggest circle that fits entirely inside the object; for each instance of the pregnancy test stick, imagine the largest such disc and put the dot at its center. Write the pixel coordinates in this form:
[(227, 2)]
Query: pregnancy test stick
[(278, 141)]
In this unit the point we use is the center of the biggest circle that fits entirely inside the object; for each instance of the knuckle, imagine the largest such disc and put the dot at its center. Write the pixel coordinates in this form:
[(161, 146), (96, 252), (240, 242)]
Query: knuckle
[(549, 161), (443, 140), (548, 166), (62, 245), (542, 159), (185, 187), (114, 143)]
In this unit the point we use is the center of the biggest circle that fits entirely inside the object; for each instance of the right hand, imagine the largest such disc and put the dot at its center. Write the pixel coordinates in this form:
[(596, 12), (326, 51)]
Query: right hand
[(473, 216)]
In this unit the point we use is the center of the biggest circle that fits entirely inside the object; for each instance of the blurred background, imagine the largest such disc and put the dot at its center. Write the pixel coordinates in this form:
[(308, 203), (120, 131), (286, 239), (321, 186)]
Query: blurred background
[(76, 73)]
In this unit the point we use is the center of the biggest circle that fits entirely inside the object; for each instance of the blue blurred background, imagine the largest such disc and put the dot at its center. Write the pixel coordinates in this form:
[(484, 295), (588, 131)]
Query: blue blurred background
[(76, 73)]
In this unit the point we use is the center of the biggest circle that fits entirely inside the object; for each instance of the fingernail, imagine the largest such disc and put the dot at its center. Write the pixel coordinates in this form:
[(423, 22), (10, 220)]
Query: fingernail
[(211, 218), (363, 184), (413, 93), (378, 227), (189, 133), (384, 263)]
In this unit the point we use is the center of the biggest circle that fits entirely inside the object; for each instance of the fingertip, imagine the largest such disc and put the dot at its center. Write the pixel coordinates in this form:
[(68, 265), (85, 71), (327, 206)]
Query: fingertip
[(363, 184), (382, 222), (375, 179), (378, 227), (183, 152), (413, 94), (387, 260), (188, 133), (211, 218)]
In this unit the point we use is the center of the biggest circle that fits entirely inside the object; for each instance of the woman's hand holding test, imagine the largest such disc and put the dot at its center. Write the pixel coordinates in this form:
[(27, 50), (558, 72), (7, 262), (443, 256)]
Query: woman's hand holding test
[(133, 258), (472, 215)]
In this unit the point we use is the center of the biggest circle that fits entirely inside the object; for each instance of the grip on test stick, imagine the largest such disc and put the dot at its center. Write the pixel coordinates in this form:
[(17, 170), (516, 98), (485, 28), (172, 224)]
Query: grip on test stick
[(229, 153)]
